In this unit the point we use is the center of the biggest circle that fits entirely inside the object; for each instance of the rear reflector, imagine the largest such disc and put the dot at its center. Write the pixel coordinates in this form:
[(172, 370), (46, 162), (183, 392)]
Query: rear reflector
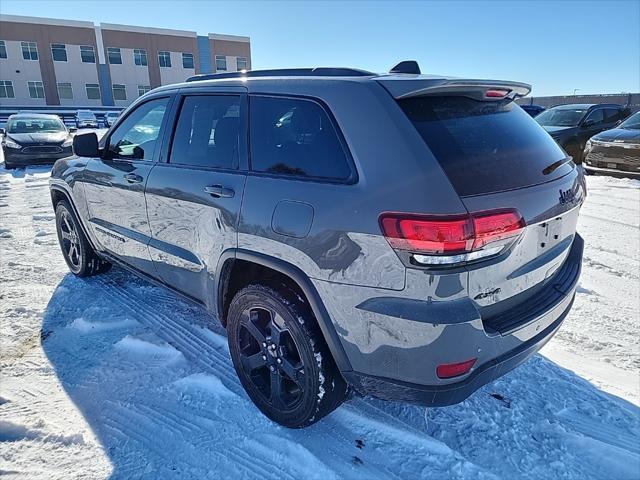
[(450, 370), (449, 235)]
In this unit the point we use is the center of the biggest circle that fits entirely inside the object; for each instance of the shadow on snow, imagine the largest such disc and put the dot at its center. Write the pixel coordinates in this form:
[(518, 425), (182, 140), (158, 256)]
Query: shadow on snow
[(152, 376)]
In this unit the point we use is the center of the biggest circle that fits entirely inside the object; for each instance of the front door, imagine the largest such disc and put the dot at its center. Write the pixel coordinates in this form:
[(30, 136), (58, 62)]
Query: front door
[(114, 185), (194, 197)]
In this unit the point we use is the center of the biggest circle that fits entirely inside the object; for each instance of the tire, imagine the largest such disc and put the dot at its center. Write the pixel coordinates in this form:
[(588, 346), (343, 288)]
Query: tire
[(274, 340), (76, 250)]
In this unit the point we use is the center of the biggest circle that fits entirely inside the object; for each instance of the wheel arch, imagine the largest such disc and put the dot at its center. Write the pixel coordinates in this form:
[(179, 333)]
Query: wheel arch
[(227, 268), (58, 193)]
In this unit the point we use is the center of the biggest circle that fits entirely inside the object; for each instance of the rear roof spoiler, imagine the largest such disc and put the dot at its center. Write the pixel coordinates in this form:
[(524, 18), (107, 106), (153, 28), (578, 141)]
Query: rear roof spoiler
[(406, 87)]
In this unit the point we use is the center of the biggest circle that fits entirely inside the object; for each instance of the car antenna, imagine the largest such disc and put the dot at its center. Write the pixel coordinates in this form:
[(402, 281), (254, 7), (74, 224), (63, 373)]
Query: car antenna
[(406, 66)]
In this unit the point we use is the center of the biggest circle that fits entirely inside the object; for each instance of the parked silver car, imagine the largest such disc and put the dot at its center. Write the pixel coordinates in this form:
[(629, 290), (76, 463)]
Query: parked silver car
[(110, 118), (86, 119)]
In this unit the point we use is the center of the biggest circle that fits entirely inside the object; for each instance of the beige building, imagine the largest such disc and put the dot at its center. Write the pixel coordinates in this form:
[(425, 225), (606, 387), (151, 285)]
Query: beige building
[(48, 62)]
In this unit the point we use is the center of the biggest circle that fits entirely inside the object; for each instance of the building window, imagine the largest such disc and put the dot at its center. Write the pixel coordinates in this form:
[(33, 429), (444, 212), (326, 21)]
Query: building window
[(65, 92), (87, 54), (115, 57), (3, 49), (140, 57), (93, 91), (29, 50), (221, 62), (36, 89), (241, 62), (164, 59), (142, 89), (6, 89), (187, 60), (119, 92), (59, 52)]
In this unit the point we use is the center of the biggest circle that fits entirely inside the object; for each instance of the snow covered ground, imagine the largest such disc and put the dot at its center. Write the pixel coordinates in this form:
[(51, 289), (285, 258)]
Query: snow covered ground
[(112, 377)]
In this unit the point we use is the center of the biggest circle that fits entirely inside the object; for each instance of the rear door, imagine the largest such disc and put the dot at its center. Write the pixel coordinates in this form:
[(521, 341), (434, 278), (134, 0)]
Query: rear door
[(497, 157), (114, 184), (194, 193)]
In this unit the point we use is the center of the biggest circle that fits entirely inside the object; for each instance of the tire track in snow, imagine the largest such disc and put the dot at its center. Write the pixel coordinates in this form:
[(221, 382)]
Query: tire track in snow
[(608, 220), (193, 346)]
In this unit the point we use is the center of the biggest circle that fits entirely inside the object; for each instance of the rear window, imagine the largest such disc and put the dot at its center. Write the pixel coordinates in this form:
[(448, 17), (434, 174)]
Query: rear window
[(485, 147)]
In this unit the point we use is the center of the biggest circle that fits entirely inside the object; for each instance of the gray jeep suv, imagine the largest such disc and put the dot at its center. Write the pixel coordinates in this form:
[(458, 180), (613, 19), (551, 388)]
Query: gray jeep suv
[(403, 236)]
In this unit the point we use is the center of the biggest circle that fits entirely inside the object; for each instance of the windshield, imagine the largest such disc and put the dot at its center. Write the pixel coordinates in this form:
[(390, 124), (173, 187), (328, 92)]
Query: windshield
[(561, 117), (633, 122), (35, 125)]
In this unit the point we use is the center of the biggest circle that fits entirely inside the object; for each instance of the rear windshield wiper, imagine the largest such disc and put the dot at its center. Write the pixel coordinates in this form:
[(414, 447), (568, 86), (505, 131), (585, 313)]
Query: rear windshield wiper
[(555, 165)]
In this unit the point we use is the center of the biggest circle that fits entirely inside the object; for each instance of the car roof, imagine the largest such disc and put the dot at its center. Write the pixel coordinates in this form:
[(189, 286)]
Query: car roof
[(34, 115), (587, 105), (400, 85)]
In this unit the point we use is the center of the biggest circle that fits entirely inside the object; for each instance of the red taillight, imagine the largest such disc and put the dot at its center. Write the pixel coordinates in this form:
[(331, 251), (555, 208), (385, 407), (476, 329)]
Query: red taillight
[(490, 227), (442, 235), (450, 370), (496, 93)]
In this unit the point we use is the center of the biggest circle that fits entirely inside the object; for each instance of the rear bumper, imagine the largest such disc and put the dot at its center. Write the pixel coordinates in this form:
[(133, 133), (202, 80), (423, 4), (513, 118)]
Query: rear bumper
[(497, 352), (450, 394)]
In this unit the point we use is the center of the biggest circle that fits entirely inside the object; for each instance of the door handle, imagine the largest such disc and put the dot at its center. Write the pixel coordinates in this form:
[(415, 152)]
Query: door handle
[(133, 178), (218, 191)]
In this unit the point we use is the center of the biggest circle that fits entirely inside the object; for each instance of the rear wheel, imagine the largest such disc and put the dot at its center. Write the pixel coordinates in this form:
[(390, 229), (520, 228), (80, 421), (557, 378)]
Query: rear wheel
[(78, 253), (281, 358)]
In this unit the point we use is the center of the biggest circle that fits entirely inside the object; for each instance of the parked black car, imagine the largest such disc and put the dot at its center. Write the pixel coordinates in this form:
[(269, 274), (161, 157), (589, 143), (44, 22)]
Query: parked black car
[(616, 151), (533, 110), (572, 125), (34, 138)]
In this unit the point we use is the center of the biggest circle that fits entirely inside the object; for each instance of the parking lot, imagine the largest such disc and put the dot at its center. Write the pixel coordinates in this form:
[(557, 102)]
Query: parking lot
[(106, 375)]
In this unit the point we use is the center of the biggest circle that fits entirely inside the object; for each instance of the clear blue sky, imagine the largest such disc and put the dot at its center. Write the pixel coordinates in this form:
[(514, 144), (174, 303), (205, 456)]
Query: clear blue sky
[(593, 46)]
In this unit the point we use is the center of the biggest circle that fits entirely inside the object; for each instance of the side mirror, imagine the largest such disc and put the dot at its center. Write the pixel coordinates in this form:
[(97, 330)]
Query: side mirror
[(73, 129), (86, 145)]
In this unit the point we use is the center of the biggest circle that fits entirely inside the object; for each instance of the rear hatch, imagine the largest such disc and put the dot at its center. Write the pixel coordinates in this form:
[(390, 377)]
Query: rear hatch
[(499, 159)]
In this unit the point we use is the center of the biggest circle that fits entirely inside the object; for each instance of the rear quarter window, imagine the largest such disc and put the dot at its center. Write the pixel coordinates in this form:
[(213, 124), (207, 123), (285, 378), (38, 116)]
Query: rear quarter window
[(485, 147), (295, 137)]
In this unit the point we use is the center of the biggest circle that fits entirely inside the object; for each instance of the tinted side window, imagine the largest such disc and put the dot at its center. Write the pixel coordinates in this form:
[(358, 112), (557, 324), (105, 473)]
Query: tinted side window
[(611, 115), (597, 117), (207, 133), (295, 137), (135, 138)]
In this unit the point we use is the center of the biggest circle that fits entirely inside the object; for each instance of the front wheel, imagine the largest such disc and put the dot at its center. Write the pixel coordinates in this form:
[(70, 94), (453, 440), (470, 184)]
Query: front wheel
[(78, 253), (281, 358)]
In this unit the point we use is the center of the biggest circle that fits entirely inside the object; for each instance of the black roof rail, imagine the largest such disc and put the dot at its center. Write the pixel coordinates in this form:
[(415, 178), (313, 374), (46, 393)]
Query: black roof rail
[(285, 72)]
